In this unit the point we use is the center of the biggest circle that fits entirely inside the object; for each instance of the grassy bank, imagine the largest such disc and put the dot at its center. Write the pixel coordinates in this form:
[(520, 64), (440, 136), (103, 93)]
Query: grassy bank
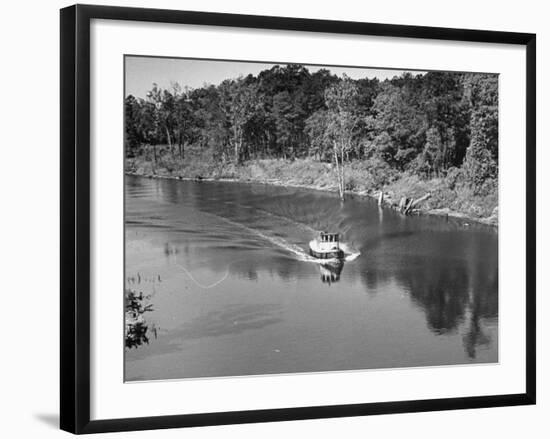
[(447, 197)]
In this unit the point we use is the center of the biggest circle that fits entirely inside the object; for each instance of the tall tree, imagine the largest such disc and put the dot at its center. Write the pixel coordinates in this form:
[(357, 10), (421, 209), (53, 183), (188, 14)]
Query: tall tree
[(480, 165), (161, 105), (343, 118), (319, 141), (239, 102), (132, 126), (396, 112)]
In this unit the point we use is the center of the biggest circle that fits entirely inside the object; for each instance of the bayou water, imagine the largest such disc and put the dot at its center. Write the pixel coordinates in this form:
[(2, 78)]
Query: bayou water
[(234, 292)]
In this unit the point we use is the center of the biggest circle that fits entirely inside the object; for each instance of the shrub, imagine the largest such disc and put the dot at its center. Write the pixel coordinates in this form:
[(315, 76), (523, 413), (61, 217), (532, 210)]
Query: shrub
[(454, 177)]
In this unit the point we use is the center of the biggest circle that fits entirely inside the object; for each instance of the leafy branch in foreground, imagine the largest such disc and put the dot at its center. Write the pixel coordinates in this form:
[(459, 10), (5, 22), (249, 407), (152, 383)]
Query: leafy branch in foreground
[(136, 327)]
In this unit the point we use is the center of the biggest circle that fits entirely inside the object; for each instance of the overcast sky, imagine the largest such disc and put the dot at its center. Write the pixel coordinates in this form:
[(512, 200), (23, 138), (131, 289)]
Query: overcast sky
[(142, 72)]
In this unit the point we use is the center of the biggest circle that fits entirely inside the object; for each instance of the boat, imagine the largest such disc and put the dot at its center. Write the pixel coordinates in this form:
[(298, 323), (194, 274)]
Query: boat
[(326, 246)]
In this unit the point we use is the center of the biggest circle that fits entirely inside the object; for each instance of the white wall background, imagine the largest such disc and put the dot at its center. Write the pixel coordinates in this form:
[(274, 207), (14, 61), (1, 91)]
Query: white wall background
[(29, 248)]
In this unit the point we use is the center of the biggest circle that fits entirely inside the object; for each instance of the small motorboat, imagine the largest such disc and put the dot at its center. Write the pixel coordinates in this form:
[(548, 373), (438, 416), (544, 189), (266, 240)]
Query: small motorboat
[(326, 246)]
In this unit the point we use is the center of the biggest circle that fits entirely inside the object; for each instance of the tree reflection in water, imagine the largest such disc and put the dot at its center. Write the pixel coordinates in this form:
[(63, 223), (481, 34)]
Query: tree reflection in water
[(452, 295)]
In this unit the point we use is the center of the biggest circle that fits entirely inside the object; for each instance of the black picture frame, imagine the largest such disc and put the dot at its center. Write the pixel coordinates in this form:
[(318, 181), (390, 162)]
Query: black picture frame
[(75, 217)]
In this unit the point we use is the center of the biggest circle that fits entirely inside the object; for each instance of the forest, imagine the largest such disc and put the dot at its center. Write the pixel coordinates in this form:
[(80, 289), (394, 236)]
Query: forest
[(433, 133)]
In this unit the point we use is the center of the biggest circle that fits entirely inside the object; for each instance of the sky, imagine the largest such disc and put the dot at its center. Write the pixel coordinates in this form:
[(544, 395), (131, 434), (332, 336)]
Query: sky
[(142, 72)]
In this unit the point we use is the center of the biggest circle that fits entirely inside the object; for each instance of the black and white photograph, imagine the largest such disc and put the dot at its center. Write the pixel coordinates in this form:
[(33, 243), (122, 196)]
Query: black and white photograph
[(290, 218), (266, 220)]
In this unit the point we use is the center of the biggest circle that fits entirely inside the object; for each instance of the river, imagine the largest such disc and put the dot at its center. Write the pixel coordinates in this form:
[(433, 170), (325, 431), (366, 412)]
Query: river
[(225, 269)]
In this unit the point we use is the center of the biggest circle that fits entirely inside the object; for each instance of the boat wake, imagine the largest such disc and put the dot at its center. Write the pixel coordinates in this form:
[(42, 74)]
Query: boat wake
[(350, 254), (201, 285), (294, 249)]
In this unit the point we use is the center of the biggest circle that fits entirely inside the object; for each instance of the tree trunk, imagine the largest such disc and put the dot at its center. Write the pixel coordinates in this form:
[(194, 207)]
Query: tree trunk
[(337, 168), (412, 203), (339, 174), (180, 147), (169, 140), (343, 177), (236, 145), (420, 200), (409, 206)]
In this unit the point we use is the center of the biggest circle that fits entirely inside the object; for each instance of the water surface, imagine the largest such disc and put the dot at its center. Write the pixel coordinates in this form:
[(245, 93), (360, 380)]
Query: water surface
[(234, 292)]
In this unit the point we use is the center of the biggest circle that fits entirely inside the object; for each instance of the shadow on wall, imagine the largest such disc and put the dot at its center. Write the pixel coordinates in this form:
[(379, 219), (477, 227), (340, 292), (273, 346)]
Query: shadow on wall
[(49, 419)]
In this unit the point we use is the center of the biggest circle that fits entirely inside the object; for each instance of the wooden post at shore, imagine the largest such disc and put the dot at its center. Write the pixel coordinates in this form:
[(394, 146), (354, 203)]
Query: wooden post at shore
[(381, 198), (403, 204)]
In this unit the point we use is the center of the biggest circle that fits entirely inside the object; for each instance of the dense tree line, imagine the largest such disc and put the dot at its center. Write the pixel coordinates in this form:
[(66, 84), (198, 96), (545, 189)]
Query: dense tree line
[(436, 124)]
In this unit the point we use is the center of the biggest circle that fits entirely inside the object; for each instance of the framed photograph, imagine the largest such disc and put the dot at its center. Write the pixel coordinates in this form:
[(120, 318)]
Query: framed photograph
[(268, 218)]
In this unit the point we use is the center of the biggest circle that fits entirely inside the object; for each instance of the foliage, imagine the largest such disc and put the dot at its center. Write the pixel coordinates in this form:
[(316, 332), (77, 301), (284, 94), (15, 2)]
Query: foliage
[(137, 329), (438, 126)]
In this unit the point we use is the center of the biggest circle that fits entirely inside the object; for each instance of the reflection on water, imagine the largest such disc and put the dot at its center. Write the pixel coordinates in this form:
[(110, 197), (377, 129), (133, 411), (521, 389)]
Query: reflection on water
[(240, 294), (330, 273)]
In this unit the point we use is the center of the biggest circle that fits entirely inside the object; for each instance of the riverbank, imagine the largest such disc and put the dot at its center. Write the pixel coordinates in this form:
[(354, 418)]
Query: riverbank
[(362, 179)]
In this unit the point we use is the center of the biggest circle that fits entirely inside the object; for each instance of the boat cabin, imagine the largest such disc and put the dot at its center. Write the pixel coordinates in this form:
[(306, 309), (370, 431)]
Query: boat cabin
[(326, 246), (329, 237)]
